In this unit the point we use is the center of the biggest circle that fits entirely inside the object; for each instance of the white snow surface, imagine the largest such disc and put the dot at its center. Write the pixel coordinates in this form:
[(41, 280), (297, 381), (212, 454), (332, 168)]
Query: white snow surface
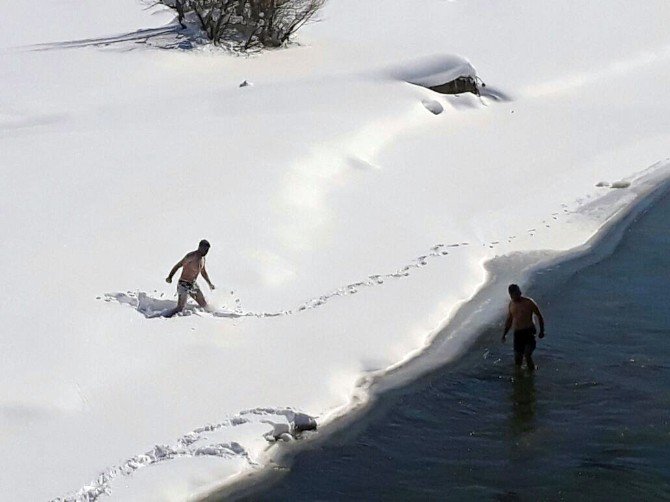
[(347, 221), (434, 70)]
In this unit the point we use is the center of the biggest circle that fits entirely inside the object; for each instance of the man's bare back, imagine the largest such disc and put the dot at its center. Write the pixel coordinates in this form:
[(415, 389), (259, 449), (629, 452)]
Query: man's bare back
[(522, 312), (520, 317)]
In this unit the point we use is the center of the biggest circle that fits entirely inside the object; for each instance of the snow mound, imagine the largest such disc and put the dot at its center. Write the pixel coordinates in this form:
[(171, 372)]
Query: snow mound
[(434, 70), (433, 106), (615, 185), (298, 423)]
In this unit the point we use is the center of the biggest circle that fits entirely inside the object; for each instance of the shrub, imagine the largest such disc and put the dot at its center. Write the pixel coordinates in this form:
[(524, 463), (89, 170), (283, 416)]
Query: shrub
[(246, 23)]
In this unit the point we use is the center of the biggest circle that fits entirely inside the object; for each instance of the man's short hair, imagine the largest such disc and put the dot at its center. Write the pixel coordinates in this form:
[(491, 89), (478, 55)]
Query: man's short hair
[(514, 289), (204, 244)]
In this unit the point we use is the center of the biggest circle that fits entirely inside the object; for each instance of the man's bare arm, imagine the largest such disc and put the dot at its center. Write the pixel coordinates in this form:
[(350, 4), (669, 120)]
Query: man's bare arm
[(536, 311), (205, 276), (174, 270), (508, 324)]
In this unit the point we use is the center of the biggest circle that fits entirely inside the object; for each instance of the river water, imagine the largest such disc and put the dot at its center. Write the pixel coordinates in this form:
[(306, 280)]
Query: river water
[(593, 423)]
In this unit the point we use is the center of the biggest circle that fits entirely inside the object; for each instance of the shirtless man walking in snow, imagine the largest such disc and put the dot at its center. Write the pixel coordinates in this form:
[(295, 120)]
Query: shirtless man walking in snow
[(192, 265), (520, 317)]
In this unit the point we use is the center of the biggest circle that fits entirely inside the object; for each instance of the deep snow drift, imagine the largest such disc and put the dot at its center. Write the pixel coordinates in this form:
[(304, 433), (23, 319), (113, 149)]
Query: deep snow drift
[(347, 221)]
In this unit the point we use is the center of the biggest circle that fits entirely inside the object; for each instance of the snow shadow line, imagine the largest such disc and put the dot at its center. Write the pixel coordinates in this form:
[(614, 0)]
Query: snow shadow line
[(170, 37)]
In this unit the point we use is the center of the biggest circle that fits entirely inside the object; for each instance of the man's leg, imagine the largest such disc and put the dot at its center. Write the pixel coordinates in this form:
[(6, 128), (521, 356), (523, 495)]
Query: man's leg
[(529, 359), (518, 358), (200, 298), (181, 303)]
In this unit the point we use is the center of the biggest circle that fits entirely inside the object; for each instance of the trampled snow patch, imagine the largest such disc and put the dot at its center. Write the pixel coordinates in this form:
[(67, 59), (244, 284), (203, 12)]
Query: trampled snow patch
[(156, 306), (206, 441)]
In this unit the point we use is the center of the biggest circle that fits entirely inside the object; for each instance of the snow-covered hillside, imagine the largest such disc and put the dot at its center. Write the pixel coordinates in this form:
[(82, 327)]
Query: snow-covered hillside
[(347, 221)]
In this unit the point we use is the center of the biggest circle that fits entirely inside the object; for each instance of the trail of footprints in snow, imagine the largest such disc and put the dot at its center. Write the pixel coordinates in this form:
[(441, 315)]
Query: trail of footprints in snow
[(185, 446), (134, 299), (439, 250)]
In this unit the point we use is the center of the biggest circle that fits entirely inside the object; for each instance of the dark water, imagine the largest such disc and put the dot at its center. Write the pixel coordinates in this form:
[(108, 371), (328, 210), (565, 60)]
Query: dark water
[(592, 424)]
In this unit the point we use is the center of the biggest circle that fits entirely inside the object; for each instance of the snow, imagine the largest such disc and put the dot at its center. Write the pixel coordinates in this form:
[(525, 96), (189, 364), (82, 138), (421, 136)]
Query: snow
[(348, 222), (433, 106), (435, 70), (620, 184)]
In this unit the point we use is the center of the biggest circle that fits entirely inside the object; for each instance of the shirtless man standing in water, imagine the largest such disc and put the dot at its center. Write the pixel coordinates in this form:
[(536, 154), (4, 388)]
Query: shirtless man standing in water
[(520, 317), (192, 265)]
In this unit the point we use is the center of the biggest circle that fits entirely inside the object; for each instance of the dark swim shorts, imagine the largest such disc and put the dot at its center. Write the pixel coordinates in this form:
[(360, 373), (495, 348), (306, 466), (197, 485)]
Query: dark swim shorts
[(187, 288), (524, 340)]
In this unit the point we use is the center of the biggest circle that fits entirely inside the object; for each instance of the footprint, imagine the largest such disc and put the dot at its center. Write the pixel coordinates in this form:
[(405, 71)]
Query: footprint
[(620, 184)]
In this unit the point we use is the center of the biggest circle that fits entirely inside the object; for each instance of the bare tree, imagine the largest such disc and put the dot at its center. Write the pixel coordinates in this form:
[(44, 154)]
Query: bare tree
[(180, 7), (282, 18), (246, 23)]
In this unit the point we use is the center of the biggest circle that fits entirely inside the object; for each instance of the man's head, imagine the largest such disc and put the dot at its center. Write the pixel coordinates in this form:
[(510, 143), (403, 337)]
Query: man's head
[(203, 247), (514, 292)]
